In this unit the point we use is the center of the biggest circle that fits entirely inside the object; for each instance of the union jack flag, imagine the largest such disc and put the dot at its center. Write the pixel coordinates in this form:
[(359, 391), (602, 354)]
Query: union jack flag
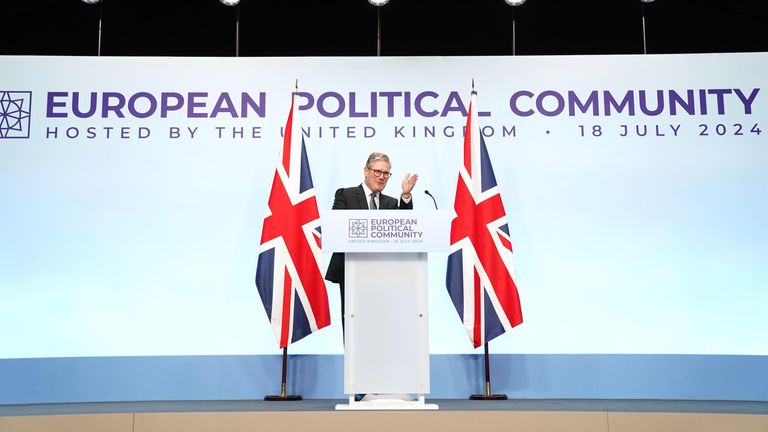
[(480, 277), (288, 274)]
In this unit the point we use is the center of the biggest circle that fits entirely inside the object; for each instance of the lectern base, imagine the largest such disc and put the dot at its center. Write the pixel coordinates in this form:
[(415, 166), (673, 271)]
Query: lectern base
[(381, 402)]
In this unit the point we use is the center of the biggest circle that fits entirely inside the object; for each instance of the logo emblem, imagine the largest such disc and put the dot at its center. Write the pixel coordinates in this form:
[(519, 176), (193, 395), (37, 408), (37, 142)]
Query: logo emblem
[(358, 228), (14, 113)]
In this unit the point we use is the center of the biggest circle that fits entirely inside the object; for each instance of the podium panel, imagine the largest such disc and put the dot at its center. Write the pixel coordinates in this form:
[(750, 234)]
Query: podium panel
[(386, 347), (387, 336)]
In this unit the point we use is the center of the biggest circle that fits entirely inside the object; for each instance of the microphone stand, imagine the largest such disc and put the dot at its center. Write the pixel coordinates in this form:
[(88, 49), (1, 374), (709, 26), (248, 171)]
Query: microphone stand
[(433, 198)]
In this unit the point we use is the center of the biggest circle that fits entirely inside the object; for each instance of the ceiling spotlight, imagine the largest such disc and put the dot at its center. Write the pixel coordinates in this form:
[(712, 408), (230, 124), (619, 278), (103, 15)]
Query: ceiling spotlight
[(91, 1), (647, 1), (230, 2), (378, 2), (515, 2)]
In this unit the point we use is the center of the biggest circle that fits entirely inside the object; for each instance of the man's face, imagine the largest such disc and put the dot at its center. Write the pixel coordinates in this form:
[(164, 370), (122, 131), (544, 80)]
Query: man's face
[(375, 183)]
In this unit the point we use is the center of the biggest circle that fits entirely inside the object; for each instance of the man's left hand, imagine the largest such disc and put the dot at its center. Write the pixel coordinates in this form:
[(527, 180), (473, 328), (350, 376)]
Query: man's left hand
[(408, 183)]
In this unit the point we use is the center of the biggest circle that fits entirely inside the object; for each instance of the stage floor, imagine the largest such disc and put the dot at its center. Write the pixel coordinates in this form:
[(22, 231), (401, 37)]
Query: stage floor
[(564, 405), (454, 415)]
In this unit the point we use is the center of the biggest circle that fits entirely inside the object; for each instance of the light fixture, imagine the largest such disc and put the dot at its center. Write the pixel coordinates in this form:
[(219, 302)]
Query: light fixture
[(514, 23), (101, 7), (642, 12), (236, 4), (378, 4)]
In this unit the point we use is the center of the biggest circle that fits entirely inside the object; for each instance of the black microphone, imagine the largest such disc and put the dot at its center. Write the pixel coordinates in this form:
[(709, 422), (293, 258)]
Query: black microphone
[(433, 198)]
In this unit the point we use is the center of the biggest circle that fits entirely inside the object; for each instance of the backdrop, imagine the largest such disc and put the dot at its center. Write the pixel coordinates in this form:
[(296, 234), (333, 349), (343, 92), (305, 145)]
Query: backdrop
[(132, 193)]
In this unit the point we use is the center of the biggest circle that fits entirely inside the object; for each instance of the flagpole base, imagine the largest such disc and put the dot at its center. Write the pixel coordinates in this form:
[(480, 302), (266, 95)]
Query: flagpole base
[(488, 397), (283, 398)]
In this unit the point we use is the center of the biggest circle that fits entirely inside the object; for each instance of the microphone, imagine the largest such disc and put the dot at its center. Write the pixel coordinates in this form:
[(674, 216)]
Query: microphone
[(433, 198)]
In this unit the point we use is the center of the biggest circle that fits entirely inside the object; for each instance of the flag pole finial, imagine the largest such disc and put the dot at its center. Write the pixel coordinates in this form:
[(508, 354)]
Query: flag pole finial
[(473, 87), (297, 87)]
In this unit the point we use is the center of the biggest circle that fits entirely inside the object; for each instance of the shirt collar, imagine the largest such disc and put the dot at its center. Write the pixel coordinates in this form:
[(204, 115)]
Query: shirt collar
[(367, 191)]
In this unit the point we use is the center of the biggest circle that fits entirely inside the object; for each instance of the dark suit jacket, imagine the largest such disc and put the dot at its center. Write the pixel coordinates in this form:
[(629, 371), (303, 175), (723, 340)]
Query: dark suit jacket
[(353, 198)]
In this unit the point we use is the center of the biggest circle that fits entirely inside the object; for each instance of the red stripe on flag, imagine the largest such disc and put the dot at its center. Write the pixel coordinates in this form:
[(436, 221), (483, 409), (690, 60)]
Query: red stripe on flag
[(287, 298), (468, 142), (477, 327), (287, 136), (506, 243)]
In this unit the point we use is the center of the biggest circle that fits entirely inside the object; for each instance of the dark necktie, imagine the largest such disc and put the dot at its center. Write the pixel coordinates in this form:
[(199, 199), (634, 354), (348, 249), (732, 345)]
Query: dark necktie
[(372, 204)]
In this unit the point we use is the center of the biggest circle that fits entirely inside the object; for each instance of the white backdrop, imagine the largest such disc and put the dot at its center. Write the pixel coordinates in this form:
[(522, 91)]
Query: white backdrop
[(132, 245)]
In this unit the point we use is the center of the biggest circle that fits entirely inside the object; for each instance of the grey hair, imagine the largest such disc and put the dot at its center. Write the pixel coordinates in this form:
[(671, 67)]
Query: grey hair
[(375, 156)]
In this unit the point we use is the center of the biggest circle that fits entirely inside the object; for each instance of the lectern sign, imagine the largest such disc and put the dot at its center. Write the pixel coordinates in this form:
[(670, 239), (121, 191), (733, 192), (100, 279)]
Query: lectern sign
[(399, 231)]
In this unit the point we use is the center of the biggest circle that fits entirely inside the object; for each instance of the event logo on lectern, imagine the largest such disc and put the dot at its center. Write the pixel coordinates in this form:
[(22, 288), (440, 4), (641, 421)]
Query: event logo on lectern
[(14, 113), (358, 228), (384, 230)]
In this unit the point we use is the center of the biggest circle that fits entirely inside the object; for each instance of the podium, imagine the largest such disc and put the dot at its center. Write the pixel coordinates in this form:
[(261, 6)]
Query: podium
[(386, 348)]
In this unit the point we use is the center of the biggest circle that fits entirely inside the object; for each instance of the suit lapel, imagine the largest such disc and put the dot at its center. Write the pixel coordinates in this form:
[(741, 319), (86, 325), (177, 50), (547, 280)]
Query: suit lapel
[(359, 193)]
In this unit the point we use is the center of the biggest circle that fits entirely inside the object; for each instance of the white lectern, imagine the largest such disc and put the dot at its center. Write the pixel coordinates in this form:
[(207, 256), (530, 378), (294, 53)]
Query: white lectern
[(386, 349)]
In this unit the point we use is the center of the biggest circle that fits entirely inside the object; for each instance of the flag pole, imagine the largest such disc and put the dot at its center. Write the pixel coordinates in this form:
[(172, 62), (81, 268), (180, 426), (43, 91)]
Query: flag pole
[(283, 396), (469, 186), (488, 395)]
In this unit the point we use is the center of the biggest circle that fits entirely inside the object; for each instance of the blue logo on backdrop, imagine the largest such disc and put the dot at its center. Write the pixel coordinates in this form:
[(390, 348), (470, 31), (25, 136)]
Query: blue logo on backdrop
[(14, 113), (358, 228)]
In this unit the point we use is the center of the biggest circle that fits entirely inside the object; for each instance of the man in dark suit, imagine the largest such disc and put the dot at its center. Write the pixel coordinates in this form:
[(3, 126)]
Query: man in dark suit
[(368, 196)]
